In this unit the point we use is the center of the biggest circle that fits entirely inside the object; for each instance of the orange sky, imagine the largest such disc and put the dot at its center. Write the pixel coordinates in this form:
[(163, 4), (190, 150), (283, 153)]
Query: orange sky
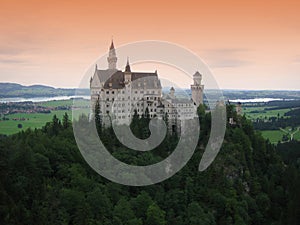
[(247, 44)]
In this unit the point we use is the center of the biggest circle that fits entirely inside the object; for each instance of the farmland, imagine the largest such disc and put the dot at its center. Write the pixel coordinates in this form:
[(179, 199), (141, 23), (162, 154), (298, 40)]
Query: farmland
[(13, 123), (264, 113)]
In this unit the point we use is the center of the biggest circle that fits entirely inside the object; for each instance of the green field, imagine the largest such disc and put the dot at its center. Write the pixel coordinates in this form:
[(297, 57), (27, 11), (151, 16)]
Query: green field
[(276, 135), (273, 135), (68, 103), (263, 113), (34, 120), (297, 136)]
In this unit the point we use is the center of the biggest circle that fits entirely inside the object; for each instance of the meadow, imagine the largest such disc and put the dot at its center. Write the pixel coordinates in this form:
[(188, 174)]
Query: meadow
[(263, 112), (38, 120), (273, 135)]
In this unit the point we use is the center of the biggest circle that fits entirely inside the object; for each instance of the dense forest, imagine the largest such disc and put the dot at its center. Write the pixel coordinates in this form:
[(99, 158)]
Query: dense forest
[(45, 180)]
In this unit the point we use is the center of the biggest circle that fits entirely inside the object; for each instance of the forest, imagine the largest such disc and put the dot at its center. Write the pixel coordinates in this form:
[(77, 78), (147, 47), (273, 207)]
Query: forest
[(45, 180), (290, 119)]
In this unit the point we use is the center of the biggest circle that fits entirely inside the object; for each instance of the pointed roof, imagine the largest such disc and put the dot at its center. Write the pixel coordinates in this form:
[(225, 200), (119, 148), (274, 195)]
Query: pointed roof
[(112, 45), (197, 74), (127, 68)]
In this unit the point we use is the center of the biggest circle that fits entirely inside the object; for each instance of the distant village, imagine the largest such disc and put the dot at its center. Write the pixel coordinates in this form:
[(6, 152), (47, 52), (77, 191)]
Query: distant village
[(10, 108)]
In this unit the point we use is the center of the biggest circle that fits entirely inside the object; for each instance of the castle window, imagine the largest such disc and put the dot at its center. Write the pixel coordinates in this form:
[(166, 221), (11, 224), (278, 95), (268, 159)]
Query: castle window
[(107, 92), (113, 92)]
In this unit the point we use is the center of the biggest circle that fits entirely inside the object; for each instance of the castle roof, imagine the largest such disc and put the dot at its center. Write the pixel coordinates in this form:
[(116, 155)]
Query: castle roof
[(197, 74), (112, 45), (115, 79), (127, 68)]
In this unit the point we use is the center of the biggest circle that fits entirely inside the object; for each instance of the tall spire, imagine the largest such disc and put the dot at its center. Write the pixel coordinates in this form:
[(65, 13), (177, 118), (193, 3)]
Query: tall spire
[(112, 45), (127, 68), (112, 57)]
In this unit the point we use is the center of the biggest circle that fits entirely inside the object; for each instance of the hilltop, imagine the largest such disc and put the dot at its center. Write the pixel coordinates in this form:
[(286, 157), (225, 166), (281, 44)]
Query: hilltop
[(10, 90)]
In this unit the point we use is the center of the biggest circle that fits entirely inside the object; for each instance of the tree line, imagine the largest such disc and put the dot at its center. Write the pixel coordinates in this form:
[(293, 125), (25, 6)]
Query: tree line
[(45, 180)]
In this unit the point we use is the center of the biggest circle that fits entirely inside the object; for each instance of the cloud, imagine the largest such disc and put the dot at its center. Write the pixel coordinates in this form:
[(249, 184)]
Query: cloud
[(226, 57), (296, 59), (228, 63), (9, 51), (12, 61)]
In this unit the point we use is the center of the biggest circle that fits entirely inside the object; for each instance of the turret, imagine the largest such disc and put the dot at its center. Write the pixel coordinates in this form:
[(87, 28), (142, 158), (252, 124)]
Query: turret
[(112, 57), (127, 73), (172, 92), (197, 89), (197, 77), (239, 109)]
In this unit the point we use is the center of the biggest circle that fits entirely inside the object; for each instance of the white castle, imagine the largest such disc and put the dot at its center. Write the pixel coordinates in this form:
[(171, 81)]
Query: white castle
[(121, 94)]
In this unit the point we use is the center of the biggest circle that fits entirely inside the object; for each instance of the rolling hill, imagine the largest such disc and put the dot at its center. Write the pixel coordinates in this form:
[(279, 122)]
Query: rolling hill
[(10, 90)]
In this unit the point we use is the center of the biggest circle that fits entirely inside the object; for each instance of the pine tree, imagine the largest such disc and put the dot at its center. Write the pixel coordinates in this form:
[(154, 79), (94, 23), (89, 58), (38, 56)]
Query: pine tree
[(66, 121), (98, 120)]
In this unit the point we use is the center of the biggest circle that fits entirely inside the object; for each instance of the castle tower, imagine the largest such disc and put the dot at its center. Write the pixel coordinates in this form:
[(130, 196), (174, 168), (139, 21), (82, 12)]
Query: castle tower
[(127, 73), (112, 57), (239, 109), (197, 89), (172, 92)]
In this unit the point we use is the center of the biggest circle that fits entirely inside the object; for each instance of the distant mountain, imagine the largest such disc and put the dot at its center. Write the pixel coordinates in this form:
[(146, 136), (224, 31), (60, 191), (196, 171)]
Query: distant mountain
[(10, 90)]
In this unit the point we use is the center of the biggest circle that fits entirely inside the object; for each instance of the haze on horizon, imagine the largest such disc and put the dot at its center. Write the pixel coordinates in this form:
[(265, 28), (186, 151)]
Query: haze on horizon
[(247, 44)]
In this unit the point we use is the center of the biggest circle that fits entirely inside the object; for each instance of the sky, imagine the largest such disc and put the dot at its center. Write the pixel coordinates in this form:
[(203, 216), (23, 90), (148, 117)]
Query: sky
[(247, 44)]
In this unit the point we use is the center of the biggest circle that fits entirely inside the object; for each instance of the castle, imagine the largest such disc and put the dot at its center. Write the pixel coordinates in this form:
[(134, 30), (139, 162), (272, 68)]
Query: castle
[(123, 93)]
